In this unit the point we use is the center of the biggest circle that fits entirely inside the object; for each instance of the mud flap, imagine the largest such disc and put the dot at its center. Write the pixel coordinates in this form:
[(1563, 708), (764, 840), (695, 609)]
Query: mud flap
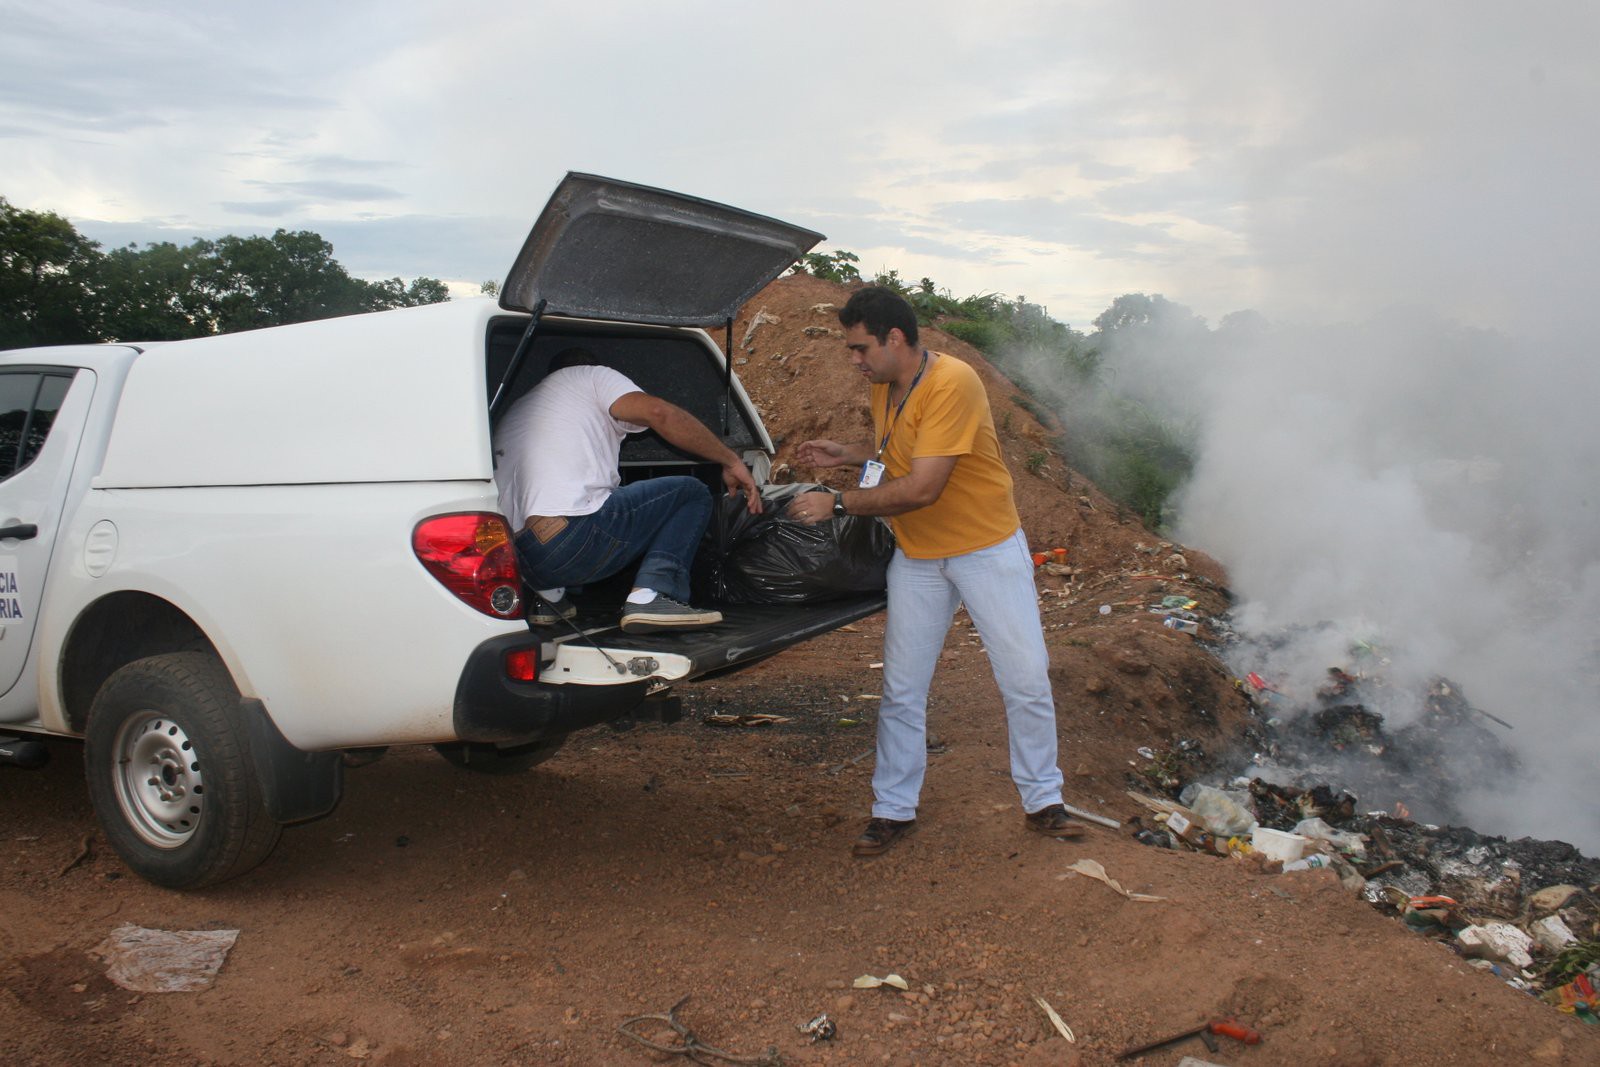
[(296, 786)]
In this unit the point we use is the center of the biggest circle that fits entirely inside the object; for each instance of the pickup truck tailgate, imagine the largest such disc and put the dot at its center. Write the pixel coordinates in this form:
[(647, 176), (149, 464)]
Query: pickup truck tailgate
[(747, 632)]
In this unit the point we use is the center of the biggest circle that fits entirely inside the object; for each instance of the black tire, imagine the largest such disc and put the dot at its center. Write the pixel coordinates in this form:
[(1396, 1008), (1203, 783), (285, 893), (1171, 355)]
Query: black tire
[(492, 759), (170, 775)]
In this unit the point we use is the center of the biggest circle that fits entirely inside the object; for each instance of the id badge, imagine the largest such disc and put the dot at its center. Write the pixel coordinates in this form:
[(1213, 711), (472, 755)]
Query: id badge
[(871, 473)]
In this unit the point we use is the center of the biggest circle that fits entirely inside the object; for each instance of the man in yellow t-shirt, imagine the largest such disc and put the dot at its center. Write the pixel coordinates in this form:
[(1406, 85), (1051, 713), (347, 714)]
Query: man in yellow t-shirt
[(934, 470)]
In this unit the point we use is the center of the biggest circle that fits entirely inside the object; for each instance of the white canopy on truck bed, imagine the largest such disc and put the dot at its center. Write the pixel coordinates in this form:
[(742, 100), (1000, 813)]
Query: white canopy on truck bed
[(392, 396)]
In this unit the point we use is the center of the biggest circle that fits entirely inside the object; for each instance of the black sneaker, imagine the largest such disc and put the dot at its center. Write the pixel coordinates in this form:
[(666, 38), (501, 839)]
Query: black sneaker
[(543, 613), (664, 613), (881, 834), (1053, 821)]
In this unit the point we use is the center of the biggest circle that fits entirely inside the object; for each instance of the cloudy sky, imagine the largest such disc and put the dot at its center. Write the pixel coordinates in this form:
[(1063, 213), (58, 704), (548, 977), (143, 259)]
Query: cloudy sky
[(1307, 160)]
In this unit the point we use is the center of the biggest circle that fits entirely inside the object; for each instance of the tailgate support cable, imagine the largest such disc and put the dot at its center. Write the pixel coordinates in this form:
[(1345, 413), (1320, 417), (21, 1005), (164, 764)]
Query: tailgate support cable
[(576, 629), (727, 378), (516, 360)]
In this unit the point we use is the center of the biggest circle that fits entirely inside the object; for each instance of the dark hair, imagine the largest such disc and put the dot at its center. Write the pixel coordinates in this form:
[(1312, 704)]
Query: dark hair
[(571, 357), (880, 310)]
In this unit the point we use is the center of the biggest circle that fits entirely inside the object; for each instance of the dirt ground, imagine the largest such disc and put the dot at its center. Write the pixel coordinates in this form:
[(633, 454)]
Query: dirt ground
[(445, 917)]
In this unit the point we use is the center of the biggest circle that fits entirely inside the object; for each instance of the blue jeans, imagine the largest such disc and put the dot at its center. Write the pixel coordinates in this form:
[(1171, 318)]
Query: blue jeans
[(996, 584), (660, 519)]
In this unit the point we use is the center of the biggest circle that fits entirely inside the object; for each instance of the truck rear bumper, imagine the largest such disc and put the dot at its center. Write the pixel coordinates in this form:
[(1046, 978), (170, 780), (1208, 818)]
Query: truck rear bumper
[(490, 707)]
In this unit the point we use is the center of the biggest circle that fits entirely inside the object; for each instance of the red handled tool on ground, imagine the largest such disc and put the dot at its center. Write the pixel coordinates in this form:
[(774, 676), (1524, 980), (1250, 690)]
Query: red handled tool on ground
[(1225, 1027)]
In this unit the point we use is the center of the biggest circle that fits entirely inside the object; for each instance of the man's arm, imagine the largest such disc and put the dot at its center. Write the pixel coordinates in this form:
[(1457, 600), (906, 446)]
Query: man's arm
[(920, 487), (677, 427), (825, 453)]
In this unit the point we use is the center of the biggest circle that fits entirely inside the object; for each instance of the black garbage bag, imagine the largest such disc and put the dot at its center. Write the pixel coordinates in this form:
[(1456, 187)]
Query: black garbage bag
[(773, 559)]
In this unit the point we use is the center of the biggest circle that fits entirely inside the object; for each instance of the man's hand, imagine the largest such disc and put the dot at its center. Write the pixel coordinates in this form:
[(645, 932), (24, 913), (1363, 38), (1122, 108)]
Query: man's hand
[(823, 453), (736, 476), (811, 508)]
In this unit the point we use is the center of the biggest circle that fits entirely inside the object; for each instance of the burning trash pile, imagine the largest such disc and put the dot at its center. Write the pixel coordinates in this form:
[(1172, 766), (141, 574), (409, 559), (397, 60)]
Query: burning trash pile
[(1526, 910), (1417, 770)]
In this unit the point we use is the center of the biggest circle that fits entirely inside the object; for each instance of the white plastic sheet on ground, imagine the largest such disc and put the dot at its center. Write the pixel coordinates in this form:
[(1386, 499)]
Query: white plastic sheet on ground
[(164, 961)]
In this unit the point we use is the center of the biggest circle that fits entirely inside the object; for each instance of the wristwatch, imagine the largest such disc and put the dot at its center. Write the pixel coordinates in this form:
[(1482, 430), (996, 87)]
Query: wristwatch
[(838, 505)]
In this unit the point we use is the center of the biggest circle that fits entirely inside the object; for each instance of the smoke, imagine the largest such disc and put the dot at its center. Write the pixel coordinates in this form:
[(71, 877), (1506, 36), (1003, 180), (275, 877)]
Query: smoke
[(1413, 483), (1402, 448)]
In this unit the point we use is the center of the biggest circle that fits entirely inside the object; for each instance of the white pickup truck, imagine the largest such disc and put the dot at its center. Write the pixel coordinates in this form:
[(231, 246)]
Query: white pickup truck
[(231, 565)]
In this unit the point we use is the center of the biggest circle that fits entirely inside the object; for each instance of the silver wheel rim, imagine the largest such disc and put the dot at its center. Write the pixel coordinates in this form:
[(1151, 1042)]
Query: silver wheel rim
[(158, 779)]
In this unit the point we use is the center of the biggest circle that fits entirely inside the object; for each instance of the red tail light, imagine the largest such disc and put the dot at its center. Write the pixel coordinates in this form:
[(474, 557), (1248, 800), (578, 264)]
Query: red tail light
[(472, 556), (522, 664)]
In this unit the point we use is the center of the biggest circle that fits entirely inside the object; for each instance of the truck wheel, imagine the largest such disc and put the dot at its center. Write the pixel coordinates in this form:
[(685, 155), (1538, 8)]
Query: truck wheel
[(492, 759), (169, 772)]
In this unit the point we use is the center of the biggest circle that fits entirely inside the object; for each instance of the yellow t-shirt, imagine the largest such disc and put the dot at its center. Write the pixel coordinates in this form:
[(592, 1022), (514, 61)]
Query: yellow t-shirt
[(947, 414)]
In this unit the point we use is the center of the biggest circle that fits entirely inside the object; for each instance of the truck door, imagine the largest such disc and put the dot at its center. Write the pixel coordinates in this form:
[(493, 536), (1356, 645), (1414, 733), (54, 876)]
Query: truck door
[(42, 412)]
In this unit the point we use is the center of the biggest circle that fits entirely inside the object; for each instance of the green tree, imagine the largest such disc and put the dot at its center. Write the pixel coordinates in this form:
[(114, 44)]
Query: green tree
[(251, 282), (46, 278), (152, 294), (56, 287)]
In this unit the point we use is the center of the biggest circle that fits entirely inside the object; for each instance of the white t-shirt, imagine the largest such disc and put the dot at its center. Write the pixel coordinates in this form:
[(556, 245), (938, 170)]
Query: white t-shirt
[(556, 448)]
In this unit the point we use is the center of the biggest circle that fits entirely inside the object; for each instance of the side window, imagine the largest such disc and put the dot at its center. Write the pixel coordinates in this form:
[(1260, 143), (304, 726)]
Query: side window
[(52, 391), (29, 401)]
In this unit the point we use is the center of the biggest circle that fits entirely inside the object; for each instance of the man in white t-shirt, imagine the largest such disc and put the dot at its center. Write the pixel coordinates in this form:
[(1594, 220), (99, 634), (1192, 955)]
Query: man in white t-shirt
[(556, 456)]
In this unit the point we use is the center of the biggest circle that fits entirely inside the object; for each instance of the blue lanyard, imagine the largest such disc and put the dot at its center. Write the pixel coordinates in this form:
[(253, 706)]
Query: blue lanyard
[(887, 424)]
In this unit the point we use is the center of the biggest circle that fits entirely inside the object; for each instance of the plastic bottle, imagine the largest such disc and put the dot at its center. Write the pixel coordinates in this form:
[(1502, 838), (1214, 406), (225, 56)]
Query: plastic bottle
[(1316, 861), (1183, 626), (1191, 833)]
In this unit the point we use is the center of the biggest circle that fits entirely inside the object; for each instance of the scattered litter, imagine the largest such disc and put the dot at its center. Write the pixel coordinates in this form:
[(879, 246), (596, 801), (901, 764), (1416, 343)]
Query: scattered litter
[(1552, 897), (164, 961), (1055, 1020), (853, 760), (1222, 813), (1277, 845), (82, 854), (1105, 609), (867, 981), (1577, 997), (1092, 817), (688, 1045), (1224, 1027), (1094, 870), (821, 1028), (744, 720), (1552, 933), (1500, 942), (1343, 840)]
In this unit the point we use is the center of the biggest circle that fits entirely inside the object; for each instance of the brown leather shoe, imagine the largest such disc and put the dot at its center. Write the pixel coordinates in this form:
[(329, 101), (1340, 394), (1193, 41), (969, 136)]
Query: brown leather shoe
[(881, 834), (1054, 821)]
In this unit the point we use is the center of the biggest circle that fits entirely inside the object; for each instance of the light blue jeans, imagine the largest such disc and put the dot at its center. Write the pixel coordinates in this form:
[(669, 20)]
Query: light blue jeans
[(996, 584)]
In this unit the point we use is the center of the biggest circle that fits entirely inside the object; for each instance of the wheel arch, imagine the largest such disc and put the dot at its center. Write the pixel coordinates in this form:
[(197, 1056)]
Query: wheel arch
[(114, 631), (126, 626)]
